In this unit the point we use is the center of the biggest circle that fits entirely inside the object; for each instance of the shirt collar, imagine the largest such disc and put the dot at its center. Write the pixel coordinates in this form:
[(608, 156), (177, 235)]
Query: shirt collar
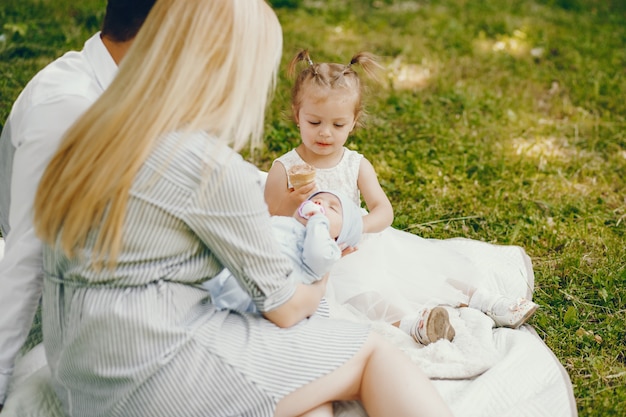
[(101, 61)]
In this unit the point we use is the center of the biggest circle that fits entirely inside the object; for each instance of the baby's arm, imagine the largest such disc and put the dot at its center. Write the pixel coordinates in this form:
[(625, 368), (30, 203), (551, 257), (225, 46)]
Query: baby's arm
[(380, 214), (319, 249), (280, 199)]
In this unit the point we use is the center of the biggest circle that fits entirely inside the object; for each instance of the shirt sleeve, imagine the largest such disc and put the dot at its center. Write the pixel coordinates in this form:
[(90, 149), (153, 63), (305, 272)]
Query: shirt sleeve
[(319, 250), (36, 138), (230, 216)]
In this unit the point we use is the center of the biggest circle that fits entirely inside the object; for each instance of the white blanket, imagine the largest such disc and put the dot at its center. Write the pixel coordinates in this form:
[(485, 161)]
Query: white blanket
[(472, 352), (527, 380), (484, 372)]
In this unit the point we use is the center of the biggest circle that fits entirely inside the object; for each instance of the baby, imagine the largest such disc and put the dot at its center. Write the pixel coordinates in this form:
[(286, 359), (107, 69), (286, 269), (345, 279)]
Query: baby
[(313, 238)]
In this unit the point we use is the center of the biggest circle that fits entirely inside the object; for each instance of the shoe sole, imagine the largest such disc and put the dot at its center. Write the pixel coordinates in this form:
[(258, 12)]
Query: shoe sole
[(525, 317), (438, 325)]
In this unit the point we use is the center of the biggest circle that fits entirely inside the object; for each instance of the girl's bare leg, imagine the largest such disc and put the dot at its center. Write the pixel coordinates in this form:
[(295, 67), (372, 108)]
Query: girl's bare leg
[(381, 376)]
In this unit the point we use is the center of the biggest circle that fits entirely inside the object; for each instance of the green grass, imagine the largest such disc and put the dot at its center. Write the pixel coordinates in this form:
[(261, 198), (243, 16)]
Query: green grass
[(498, 120)]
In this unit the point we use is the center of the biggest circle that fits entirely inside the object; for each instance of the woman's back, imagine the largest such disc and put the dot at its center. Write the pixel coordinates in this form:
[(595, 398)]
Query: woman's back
[(157, 242)]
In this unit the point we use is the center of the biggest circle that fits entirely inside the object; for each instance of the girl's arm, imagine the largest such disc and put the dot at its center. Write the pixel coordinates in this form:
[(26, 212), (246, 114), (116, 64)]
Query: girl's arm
[(380, 214), (280, 199)]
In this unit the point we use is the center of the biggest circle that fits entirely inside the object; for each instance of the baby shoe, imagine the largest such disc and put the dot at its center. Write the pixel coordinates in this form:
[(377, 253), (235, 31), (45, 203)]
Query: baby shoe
[(506, 312), (431, 326)]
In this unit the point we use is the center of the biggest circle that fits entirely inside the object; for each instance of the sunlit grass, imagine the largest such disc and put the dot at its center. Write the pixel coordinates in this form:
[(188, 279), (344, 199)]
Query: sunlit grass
[(515, 44), (406, 76)]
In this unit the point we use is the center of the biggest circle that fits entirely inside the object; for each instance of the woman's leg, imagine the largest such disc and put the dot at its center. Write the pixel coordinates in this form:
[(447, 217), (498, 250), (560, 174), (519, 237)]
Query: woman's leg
[(381, 376), (324, 410)]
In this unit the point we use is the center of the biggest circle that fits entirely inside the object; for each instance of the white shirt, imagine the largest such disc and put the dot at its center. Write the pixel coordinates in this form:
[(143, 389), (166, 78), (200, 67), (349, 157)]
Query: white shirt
[(51, 102)]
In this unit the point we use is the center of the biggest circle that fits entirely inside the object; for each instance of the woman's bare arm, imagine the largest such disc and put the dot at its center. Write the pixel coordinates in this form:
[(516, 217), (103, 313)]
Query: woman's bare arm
[(303, 304)]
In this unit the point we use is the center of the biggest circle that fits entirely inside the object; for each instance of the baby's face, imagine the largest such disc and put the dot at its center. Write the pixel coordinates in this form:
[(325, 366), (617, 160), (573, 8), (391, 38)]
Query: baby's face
[(332, 210)]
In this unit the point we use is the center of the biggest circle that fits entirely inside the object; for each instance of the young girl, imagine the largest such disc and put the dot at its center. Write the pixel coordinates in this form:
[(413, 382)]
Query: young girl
[(394, 273)]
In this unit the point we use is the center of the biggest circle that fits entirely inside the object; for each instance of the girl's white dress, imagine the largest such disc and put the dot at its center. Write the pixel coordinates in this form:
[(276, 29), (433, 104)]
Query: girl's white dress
[(395, 273)]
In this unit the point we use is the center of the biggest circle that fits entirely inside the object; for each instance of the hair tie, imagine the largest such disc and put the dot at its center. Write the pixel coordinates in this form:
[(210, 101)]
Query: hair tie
[(308, 58)]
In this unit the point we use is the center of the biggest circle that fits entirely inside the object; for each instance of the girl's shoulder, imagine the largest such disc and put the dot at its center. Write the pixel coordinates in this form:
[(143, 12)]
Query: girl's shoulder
[(350, 162), (351, 157), (289, 159)]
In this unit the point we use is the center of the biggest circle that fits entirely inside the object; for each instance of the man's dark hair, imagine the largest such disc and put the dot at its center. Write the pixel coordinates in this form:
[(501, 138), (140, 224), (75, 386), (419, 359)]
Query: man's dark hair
[(123, 18)]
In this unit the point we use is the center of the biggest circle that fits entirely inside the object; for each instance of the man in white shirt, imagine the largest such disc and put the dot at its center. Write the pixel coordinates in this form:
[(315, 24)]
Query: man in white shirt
[(51, 102)]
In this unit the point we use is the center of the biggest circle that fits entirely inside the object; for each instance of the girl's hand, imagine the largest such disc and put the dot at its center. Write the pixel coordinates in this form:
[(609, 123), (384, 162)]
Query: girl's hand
[(347, 250), (300, 194), (282, 200)]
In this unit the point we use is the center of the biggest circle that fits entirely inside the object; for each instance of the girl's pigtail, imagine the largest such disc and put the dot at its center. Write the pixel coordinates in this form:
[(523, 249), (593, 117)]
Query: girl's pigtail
[(302, 56), (369, 62)]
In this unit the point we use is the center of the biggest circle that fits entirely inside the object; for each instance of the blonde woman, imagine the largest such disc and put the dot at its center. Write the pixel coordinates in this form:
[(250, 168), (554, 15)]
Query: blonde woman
[(147, 197)]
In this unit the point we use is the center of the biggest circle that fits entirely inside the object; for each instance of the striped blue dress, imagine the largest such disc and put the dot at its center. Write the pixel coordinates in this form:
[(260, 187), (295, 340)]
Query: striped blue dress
[(144, 339)]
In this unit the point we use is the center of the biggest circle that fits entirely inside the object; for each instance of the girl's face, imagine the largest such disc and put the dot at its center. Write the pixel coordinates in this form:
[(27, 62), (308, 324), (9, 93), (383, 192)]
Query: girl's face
[(332, 210), (326, 121)]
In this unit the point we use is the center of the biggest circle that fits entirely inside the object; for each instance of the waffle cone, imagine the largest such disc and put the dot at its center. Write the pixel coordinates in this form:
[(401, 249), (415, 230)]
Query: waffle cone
[(300, 175)]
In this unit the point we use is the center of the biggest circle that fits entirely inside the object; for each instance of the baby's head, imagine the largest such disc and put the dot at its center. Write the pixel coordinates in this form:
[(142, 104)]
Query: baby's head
[(318, 81), (346, 223)]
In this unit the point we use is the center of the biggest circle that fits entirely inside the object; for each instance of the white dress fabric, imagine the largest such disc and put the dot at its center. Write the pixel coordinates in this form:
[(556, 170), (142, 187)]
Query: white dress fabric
[(342, 177), (394, 273)]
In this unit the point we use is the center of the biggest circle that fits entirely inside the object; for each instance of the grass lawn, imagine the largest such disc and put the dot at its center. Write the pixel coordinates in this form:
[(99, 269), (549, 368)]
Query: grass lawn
[(498, 120)]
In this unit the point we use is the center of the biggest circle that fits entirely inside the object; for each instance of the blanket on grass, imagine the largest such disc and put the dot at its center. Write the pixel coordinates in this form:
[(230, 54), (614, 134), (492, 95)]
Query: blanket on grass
[(483, 372), (526, 380), (516, 375)]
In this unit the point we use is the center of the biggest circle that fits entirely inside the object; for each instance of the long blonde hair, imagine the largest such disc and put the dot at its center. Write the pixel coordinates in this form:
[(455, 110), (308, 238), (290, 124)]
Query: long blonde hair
[(194, 65)]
